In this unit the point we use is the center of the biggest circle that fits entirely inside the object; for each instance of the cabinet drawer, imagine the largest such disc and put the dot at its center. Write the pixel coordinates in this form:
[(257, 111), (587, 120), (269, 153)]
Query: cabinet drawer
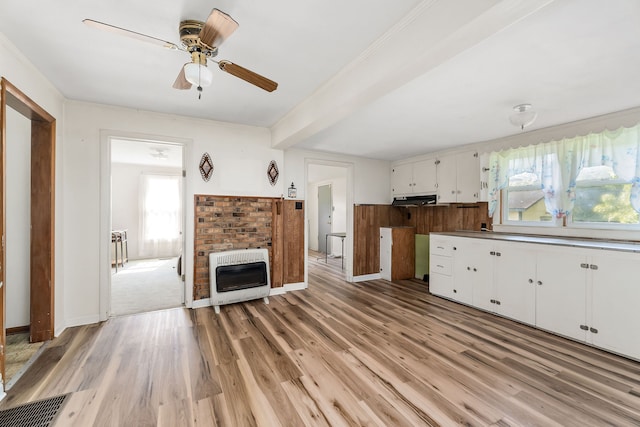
[(441, 265), (440, 247)]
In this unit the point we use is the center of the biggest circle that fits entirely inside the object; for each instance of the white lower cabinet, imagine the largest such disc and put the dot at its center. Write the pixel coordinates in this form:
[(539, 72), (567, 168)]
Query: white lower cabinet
[(561, 294), (614, 306), (515, 281), (588, 295)]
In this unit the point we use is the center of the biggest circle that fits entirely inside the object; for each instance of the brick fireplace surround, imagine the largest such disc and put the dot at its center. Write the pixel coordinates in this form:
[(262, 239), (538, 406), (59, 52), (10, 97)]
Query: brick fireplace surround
[(225, 223)]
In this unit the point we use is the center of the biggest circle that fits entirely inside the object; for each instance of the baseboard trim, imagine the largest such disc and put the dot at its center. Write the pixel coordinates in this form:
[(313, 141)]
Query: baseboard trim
[(84, 320), (199, 303), (295, 286), (365, 277), (291, 287), (18, 329)]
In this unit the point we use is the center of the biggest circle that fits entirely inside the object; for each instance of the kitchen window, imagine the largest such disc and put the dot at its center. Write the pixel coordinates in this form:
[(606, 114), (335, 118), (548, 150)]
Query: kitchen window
[(587, 181)]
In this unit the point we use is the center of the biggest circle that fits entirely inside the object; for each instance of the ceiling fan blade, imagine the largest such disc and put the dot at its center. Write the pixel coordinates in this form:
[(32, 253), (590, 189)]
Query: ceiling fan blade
[(181, 81), (129, 33), (248, 76), (218, 27)]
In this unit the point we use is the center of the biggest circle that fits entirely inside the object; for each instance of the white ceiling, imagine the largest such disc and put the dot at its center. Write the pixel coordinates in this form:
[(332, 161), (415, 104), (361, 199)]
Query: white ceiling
[(146, 153), (372, 78)]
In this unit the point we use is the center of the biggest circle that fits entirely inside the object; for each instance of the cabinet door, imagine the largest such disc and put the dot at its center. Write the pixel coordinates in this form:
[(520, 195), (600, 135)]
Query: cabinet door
[(515, 281), (385, 253), (473, 273), (615, 315), (424, 176), (402, 179), (446, 177), (484, 177), (561, 292), (467, 177)]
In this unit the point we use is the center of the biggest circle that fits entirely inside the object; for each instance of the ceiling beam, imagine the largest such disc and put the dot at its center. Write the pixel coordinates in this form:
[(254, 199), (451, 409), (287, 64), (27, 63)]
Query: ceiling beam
[(433, 33)]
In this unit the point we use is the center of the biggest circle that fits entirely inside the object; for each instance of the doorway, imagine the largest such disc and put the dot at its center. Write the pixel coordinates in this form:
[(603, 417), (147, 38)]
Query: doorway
[(41, 208), (147, 226), (327, 225)]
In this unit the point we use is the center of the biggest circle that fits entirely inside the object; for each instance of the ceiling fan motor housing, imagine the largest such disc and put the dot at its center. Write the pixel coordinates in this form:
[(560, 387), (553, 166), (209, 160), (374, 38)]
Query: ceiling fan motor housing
[(190, 38)]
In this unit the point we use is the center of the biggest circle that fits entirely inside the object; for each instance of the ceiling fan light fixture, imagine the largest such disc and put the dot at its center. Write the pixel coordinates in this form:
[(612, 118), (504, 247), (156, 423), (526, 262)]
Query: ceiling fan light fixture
[(523, 116), (198, 74)]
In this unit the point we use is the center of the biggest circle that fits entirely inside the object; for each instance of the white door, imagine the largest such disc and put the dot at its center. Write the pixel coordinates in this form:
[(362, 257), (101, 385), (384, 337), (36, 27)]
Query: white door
[(324, 218), (386, 245)]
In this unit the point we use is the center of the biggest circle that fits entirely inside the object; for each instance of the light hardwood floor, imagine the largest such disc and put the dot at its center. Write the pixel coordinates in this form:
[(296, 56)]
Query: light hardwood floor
[(340, 354)]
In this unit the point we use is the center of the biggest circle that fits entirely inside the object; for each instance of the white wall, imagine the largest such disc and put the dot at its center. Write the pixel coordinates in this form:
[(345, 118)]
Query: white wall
[(371, 180), (241, 155), (22, 74), (125, 199), (18, 209)]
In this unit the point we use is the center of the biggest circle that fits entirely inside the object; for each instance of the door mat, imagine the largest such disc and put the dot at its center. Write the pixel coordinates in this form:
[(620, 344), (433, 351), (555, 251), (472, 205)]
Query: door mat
[(41, 413)]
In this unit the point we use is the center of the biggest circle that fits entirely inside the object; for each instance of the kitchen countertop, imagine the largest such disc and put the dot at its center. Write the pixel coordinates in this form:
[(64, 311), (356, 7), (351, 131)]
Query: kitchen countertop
[(578, 242)]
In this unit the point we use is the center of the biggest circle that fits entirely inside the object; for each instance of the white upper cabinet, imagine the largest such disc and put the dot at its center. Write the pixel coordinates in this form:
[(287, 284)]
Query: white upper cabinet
[(414, 178), (458, 178), (484, 177)]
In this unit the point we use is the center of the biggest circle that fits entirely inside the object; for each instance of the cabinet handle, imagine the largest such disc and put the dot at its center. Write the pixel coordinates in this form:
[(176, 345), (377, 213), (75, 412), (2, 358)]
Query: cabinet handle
[(492, 253), (584, 265), (437, 162), (455, 291), (475, 269), (530, 280), (593, 330), (439, 266), (468, 268), (485, 169), (453, 191), (439, 247), (475, 195), (455, 249), (492, 301), (498, 302), (593, 267), (584, 327), (498, 254), (459, 191), (539, 283)]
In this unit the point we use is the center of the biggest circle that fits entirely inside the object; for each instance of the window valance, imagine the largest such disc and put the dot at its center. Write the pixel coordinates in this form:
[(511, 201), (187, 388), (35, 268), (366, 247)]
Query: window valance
[(558, 163)]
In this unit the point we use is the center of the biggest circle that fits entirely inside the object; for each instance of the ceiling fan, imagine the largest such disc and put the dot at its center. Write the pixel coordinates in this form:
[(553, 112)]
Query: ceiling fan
[(201, 40)]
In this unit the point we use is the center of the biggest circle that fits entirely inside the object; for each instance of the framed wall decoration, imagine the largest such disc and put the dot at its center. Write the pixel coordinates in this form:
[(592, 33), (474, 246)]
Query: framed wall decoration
[(206, 167), (272, 172)]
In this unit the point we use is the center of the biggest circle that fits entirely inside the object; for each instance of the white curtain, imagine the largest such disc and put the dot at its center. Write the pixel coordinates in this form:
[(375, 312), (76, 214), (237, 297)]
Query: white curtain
[(558, 163), (160, 216)]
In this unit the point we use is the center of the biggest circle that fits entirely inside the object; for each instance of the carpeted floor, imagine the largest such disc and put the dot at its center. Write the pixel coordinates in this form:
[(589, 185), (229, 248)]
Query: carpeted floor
[(146, 285), (19, 352)]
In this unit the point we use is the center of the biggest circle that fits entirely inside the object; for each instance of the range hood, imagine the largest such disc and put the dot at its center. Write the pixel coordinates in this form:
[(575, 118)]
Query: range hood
[(415, 200)]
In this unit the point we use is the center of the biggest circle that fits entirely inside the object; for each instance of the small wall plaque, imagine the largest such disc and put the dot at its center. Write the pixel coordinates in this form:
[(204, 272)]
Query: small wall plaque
[(206, 167), (292, 193), (272, 172)]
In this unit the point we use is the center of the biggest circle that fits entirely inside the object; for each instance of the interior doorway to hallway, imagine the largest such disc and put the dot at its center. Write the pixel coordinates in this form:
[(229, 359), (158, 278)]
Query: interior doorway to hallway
[(327, 212), (147, 226)]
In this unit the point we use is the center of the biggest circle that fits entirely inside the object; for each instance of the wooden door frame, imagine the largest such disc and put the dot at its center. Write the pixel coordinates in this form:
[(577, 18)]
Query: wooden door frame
[(42, 240)]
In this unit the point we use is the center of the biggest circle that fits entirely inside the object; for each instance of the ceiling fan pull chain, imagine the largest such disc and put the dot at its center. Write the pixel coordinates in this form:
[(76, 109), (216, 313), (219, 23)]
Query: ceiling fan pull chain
[(199, 92)]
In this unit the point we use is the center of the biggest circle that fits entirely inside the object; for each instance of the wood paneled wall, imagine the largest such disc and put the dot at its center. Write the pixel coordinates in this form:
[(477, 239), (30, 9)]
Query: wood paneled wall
[(427, 219), (369, 218), (288, 242)]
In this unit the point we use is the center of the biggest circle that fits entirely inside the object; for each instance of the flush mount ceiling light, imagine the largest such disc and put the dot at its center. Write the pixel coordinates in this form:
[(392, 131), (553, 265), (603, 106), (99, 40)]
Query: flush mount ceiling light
[(523, 116), (159, 153)]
